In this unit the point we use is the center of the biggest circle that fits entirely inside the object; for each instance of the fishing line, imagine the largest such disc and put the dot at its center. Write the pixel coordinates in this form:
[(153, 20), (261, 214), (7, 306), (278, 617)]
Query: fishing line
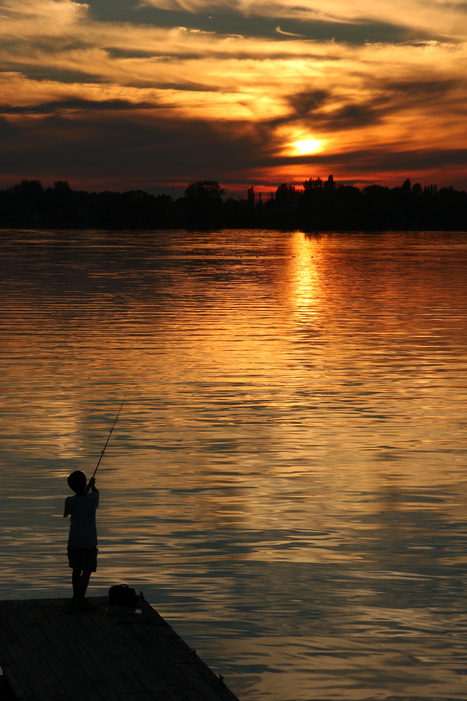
[(108, 437)]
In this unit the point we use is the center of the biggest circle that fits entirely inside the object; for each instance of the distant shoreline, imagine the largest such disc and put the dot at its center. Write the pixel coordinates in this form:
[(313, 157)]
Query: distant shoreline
[(319, 206)]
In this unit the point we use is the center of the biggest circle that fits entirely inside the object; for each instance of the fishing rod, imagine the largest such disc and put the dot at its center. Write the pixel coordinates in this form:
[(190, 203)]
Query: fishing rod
[(108, 438)]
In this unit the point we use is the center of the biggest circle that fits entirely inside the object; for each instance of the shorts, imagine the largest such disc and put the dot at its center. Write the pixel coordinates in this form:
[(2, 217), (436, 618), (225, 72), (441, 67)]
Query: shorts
[(82, 558)]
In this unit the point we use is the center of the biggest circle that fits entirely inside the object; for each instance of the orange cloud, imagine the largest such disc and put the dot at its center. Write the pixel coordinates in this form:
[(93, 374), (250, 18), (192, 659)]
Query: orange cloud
[(264, 88)]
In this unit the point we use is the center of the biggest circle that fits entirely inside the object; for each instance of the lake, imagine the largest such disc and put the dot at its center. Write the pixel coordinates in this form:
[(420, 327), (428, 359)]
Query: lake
[(287, 479)]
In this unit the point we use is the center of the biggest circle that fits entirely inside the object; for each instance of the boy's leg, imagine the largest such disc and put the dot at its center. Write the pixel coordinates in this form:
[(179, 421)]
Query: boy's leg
[(84, 581), (83, 563), (76, 581), (80, 579)]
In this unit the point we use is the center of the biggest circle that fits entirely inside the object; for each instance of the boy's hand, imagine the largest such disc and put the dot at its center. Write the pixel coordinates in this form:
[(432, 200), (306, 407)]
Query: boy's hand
[(92, 485)]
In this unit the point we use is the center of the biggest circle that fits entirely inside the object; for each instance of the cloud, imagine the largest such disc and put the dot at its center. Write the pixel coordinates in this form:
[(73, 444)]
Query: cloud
[(289, 34), (73, 85), (50, 19), (137, 150), (440, 17), (308, 102)]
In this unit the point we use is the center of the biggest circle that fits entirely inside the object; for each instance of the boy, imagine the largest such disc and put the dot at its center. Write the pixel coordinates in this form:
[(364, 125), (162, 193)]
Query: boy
[(82, 540)]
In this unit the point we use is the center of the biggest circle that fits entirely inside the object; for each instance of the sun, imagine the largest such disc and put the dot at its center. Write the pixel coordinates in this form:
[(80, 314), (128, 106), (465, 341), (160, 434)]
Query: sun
[(305, 147), (297, 141)]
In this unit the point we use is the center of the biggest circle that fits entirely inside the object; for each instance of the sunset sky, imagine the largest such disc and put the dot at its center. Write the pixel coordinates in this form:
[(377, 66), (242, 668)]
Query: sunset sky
[(155, 94)]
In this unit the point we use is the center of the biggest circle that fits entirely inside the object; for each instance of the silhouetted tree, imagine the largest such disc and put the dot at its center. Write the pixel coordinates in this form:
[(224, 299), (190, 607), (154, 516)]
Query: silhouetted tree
[(377, 207), (348, 212), (286, 195), (205, 191), (29, 197), (318, 206), (313, 184), (203, 203)]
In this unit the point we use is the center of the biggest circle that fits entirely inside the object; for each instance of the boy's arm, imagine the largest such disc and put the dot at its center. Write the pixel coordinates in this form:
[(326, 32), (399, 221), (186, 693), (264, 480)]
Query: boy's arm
[(92, 486), (66, 511)]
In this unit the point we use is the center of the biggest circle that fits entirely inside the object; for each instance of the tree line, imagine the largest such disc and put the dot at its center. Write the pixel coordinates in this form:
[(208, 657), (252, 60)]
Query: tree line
[(318, 205)]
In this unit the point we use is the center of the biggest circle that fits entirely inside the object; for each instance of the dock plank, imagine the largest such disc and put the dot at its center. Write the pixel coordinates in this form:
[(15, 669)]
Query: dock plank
[(40, 676), (78, 659), (50, 653)]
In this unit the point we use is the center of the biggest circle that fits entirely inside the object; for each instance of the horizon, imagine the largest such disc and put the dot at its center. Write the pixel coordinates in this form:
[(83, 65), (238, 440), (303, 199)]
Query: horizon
[(229, 193), (154, 94)]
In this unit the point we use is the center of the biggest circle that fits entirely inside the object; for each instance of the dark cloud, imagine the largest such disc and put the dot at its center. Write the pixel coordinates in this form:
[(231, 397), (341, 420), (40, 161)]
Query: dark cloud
[(423, 89), (315, 107), (362, 162), (414, 161), (56, 107), (306, 103), (225, 20), (127, 149), (315, 112), (58, 74), (7, 130), (265, 27), (349, 116), (118, 10)]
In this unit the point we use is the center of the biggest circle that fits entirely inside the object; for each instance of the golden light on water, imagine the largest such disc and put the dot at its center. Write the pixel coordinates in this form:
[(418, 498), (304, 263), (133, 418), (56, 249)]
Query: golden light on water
[(294, 430)]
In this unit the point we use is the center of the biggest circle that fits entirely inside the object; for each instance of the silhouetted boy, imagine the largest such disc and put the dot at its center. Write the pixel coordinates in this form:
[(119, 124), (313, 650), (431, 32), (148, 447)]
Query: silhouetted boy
[(82, 540)]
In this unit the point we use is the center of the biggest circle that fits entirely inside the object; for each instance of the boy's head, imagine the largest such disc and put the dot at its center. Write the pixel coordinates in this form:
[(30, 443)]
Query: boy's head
[(77, 481)]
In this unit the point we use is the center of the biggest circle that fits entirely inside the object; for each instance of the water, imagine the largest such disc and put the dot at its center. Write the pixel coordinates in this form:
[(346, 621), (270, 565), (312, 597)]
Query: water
[(287, 479)]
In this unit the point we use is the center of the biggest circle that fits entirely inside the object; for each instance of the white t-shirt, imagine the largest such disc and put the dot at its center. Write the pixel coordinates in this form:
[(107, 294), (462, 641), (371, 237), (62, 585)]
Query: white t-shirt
[(82, 509)]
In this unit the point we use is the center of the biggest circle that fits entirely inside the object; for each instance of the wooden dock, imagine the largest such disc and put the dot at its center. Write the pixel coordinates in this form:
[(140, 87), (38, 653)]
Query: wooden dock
[(49, 653)]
